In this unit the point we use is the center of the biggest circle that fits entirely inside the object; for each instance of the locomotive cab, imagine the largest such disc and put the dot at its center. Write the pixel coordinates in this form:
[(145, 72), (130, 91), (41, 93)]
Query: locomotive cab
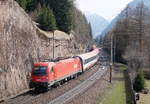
[(42, 75)]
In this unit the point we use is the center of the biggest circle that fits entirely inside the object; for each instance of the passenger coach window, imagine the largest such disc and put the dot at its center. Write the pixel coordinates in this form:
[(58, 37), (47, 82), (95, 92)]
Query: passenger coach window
[(90, 59), (40, 70)]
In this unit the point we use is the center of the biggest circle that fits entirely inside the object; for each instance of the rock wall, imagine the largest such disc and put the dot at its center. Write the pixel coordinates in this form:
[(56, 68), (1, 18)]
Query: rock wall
[(21, 44)]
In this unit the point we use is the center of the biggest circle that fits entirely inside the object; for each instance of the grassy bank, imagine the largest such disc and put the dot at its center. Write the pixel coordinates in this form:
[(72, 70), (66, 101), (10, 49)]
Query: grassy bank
[(116, 93)]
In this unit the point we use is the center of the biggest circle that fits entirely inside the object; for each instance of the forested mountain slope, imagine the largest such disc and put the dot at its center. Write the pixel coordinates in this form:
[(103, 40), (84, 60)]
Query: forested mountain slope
[(131, 36)]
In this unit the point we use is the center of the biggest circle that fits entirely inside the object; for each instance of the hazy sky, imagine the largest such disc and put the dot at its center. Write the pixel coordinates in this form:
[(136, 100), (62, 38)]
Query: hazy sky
[(105, 8)]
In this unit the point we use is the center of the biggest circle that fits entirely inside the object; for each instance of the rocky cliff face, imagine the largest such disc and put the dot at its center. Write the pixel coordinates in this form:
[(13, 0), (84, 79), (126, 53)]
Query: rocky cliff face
[(18, 47), (21, 44)]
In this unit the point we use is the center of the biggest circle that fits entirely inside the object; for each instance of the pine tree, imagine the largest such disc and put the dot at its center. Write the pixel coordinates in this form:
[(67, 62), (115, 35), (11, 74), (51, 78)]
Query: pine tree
[(31, 5), (22, 3), (47, 20), (63, 13)]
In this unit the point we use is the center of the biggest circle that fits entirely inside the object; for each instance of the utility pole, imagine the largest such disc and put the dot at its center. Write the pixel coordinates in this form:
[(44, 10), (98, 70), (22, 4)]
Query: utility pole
[(127, 17), (141, 25), (111, 60), (53, 45), (127, 24), (114, 49)]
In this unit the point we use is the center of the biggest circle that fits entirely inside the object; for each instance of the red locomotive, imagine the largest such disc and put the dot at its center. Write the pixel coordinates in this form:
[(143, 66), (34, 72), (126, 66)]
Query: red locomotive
[(50, 72)]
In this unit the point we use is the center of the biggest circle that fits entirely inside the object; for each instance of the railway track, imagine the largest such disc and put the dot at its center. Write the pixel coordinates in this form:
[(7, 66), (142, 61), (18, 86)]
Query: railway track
[(75, 87), (23, 98), (79, 89)]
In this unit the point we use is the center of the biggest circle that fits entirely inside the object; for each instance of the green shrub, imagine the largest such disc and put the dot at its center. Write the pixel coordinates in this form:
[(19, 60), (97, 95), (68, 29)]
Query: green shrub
[(46, 19), (139, 82)]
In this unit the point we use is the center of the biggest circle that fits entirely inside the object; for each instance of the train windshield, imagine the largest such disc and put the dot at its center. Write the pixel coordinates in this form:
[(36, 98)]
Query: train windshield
[(40, 70)]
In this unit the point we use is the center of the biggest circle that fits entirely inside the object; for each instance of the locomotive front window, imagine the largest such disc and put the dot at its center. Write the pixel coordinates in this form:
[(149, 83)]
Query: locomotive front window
[(40, 70)]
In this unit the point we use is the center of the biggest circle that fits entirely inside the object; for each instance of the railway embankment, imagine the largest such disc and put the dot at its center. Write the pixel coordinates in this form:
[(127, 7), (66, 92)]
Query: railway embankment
[(120, 91), (97, 89)]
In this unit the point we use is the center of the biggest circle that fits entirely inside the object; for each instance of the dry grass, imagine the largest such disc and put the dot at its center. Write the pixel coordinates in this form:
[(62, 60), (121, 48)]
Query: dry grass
[(116, 94)]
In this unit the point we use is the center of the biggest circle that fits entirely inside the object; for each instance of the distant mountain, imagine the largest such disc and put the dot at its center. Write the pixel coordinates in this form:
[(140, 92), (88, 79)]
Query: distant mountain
[(120, 16), (97, 22), (134, 3)]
